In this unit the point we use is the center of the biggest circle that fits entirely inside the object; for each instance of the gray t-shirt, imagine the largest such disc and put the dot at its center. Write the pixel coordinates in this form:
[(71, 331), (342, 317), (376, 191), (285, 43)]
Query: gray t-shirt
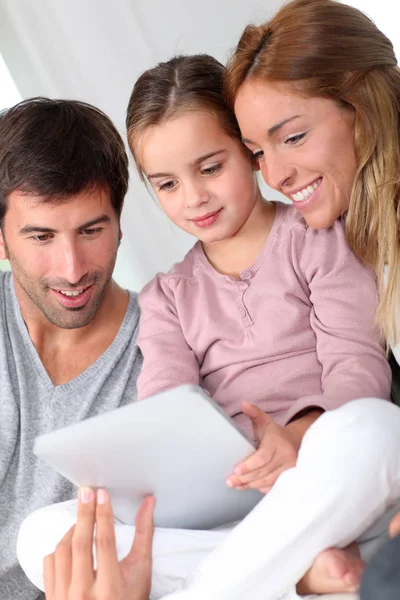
[(30, 405)]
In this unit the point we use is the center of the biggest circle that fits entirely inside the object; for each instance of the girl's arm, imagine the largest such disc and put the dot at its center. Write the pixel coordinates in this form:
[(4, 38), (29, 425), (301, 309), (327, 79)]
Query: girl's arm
[(344, 300), (168, 361)]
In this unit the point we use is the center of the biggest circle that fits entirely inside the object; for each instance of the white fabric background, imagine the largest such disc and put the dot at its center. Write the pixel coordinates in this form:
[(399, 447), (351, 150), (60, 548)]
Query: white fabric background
[(94, 50)]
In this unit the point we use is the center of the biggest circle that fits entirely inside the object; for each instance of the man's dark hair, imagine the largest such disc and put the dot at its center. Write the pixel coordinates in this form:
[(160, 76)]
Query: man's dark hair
[(57, 148)]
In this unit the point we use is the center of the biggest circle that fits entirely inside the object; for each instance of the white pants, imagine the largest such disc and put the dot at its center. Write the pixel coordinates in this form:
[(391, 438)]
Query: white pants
[(344, 487)]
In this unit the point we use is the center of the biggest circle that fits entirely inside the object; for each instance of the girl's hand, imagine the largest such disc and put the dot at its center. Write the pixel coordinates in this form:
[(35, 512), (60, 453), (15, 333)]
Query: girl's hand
[(277, 450), (69, 572)]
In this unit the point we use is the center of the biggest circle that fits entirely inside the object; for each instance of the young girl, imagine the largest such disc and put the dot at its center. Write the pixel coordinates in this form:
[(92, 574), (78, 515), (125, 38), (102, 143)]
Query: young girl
[(265, 310)]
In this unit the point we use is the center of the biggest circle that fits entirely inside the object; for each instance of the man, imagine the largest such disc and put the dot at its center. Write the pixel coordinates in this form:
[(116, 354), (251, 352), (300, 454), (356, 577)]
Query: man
[(69, 573), (67, 330)]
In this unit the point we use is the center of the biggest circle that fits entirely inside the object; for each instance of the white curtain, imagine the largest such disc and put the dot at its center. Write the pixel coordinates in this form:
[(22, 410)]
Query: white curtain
[(385, 16), (93, 50)]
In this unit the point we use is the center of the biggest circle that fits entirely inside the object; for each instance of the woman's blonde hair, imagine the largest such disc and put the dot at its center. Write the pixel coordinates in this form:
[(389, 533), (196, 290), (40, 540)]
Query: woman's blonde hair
[(182, 84), (331, 50)]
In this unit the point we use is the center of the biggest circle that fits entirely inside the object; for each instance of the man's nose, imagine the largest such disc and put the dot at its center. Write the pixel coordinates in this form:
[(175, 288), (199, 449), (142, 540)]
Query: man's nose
[(71, 263)]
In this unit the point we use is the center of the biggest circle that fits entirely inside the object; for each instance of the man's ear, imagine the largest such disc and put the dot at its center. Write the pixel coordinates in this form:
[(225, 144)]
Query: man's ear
[(3, 252)]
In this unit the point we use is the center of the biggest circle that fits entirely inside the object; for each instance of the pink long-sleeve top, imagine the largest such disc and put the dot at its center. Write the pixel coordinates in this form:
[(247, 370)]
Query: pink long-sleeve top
[(294, 331)]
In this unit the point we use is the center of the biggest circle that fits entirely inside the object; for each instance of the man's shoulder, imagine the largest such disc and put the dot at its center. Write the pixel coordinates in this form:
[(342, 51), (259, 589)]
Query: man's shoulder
[(132, 312), (5, 288), (4, 279)]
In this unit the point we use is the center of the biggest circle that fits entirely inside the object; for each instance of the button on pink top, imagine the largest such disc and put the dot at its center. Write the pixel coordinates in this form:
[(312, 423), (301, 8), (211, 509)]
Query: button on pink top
[(295, 331)]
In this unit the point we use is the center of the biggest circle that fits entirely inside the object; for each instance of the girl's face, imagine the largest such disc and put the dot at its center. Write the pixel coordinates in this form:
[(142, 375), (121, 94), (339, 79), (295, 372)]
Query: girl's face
[(203, 178), (305, 147)]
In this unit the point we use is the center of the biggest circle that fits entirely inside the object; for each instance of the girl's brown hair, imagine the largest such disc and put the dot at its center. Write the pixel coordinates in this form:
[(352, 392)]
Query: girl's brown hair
[(184, 83), (331, 50)]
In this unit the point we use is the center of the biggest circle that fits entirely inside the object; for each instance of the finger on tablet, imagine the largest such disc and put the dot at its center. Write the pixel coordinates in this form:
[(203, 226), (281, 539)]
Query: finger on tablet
[(144, 529), (63, 566), (107, 561), (136, 566), (49, 576), (82, 539)]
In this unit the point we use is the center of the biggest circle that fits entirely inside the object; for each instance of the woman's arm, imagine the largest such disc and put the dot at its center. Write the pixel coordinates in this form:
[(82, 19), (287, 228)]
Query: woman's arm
[(69, 571)]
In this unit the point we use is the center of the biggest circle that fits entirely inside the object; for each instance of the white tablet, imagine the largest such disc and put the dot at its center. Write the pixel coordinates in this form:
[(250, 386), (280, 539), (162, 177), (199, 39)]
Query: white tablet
[(177, 445)]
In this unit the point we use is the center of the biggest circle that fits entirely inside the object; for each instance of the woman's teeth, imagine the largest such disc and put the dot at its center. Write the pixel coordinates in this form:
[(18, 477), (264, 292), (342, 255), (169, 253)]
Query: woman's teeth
[(306, 192)]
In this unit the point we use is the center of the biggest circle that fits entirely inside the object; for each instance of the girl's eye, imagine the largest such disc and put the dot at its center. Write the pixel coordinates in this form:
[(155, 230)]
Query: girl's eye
[(212, 170), (168, 185), (258, 155), (292, 140)]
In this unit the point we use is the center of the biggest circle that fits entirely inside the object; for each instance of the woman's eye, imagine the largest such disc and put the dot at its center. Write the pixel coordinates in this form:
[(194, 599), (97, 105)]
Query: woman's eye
[(212, 170), (294, 139)]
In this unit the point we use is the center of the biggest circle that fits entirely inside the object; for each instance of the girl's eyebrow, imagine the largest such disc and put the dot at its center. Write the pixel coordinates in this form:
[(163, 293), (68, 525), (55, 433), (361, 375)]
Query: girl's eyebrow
[(154, 175), (198, 160), (272, 130), (207, 156)]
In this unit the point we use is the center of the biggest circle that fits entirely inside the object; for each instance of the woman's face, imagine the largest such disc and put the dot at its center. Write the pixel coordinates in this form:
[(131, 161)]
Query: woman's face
[(304, 146)]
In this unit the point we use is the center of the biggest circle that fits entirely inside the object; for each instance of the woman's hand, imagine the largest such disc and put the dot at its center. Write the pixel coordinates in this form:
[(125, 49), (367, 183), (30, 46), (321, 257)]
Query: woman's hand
[(69, 572), (277, 449)]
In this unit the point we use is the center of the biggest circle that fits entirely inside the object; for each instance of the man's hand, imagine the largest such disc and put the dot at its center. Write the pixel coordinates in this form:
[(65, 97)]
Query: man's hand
[(277, 450), (394, 528), (69, 572)]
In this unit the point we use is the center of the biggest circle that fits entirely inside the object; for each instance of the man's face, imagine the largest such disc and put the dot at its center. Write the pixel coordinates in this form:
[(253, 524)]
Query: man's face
[(62, 255)]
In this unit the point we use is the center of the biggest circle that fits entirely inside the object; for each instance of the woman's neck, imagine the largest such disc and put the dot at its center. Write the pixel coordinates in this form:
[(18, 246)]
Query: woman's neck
[(234, 254)]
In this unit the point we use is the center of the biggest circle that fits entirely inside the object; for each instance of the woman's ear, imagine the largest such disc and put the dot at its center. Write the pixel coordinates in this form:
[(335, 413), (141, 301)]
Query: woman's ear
[(255, 163)]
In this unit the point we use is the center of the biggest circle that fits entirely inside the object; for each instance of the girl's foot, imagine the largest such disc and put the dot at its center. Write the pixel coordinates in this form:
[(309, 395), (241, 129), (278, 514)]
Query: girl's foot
[(334, 571)]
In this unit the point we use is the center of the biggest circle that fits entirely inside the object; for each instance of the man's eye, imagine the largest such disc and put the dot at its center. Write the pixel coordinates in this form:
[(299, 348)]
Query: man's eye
[(91, 231), (44, 237)]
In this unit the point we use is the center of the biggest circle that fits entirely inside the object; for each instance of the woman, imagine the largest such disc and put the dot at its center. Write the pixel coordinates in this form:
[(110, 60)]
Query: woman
[(316, 65)]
